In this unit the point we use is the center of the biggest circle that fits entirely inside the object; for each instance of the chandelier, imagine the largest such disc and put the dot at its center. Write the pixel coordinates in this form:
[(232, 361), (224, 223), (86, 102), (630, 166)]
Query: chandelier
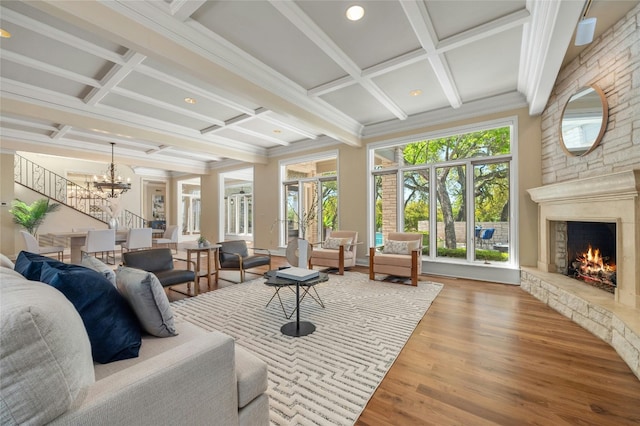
[(112, 185)]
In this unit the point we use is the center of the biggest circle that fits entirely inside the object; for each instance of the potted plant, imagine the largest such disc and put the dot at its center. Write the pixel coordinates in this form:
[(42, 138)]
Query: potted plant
[(31, 216), (202, 242)]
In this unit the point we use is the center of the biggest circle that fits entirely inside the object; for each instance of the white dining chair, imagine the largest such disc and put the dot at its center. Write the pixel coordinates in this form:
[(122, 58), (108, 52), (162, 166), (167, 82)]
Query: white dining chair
[(101, 241), (138, 238), (169, 238), (34, 247)]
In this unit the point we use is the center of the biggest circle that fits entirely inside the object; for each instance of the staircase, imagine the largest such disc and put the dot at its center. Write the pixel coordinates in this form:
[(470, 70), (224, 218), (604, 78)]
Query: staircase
[(63, 191)]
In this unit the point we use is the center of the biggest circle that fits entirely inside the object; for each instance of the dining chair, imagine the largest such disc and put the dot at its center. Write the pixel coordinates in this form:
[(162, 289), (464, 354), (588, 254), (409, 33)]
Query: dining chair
[(101, 241), (169, 238), (34, 247), (137, 238)]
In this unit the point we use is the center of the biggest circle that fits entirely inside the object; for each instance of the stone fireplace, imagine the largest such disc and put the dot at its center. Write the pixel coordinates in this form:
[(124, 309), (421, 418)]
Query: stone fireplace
[(611, 200), (606, 212)]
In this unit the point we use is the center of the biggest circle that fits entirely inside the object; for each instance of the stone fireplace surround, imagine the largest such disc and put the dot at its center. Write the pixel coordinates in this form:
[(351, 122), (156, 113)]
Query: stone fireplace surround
[(613, 198)]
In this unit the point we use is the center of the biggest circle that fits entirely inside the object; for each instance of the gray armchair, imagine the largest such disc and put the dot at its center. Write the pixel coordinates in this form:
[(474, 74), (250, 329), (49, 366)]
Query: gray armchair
[(234, 255), (160, 262)]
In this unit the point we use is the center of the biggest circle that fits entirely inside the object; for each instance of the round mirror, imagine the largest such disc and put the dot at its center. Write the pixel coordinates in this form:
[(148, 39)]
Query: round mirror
[(584, 120)]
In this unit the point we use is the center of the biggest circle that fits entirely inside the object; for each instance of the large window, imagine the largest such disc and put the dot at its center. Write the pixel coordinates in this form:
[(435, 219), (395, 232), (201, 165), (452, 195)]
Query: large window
[(455, 189), (310, 198)]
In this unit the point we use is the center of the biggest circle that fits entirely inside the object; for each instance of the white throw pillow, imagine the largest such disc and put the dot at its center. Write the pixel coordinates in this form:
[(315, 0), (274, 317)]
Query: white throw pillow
[(45, 354), (400, 247), (94, 263), (333, 243), (146, 296)]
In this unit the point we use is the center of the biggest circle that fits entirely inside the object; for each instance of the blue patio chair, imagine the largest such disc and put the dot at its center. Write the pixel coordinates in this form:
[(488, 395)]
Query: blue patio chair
[(486, 235)]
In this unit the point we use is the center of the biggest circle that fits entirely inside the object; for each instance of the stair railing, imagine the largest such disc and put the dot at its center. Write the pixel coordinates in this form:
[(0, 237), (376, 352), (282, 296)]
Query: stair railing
[(60, 189)]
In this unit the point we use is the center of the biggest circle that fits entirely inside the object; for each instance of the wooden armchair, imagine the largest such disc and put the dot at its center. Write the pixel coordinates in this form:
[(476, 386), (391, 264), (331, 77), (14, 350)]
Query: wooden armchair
[(338, 251), (401, 256), (234, 255)]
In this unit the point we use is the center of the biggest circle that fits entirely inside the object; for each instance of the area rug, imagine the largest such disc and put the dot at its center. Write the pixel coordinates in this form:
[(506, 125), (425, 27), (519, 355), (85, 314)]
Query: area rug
[(325, 378)]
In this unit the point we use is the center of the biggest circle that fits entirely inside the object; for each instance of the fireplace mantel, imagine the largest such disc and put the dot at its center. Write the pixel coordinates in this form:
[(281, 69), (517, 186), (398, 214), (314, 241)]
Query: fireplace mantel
[(597, 188), (610, 198)]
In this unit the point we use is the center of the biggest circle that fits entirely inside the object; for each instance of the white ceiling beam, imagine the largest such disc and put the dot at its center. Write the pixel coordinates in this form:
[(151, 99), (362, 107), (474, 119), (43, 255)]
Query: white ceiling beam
[(297, 17), (27, 123), (418, 16), (258, 135), (544, 44), (61, 36), (269, 118), (49, 69), (60, 132), (164, 105), (115, 76), (485, 30), (22, 100), (220, 98), (182, 9)]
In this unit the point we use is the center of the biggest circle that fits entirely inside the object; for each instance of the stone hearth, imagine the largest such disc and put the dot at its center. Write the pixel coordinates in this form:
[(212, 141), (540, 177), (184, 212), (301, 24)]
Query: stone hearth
[(613, 198)]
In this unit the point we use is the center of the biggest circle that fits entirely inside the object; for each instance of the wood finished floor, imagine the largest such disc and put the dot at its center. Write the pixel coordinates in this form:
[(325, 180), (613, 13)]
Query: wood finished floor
[(491, 354)]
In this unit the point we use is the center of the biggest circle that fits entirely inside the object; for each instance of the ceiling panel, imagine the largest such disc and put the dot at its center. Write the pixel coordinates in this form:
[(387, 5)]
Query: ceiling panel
[(384, 31), (400, 84), (269, 37), (481, 69), (43, 80), (453, 17), (359, 104)]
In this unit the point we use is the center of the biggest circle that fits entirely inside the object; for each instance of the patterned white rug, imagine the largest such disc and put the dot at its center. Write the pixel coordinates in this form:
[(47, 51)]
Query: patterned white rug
[(325, 378)]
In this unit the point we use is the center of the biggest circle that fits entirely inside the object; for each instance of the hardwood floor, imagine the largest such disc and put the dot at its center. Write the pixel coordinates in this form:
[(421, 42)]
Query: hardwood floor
[(491, 354)]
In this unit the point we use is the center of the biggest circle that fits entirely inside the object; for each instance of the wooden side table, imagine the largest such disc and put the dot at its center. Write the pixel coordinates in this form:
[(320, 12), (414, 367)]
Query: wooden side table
[(205, 253)]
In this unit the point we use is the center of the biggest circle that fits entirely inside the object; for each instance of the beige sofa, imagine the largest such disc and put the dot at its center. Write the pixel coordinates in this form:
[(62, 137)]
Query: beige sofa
[(48, 375)]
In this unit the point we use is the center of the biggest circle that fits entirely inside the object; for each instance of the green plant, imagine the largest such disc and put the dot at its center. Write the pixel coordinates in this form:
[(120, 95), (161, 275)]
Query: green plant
[(30, 217)]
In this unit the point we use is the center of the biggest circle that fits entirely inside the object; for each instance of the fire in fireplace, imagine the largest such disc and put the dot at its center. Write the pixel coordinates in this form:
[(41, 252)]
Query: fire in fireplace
[(591, 250)]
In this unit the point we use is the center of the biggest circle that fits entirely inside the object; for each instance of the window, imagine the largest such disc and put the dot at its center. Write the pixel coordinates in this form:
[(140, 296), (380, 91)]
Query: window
[(453, 188), (310, 198)]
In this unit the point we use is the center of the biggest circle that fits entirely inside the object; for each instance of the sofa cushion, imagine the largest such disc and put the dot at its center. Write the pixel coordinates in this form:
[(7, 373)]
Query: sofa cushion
[(332, 243), (45, 355), (251, 373), (30, 264), (113, 329), (9, 273), (146, 296), (400, 247), (6, 262), (330, 254), (94, 263)]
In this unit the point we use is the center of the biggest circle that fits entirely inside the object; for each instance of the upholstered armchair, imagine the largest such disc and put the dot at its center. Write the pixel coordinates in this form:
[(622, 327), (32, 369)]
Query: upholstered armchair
[(338, 251), (160, 262), (235, 255), (401, 256)]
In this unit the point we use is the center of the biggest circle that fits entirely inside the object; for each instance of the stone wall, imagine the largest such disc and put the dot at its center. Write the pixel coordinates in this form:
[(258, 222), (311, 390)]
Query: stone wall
[(612, 62), (591, 308)]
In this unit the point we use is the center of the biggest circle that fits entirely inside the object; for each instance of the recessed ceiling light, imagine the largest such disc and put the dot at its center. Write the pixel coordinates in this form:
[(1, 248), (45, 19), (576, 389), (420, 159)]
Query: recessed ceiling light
[(416, 92), (5, 33), (277, 131), (190, 100), (355, 13)]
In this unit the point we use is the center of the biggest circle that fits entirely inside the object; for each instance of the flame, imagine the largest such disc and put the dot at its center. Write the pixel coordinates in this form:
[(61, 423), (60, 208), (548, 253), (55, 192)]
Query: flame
[(592, 262)]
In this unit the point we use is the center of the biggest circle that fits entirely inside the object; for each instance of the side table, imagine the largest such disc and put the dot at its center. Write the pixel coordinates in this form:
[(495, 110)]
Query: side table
[(296, 328), (206, 253)]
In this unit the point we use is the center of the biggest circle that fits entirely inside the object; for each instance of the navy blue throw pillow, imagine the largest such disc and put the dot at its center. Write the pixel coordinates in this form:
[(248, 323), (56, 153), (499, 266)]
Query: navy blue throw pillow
[(30, 264), (113, 328)]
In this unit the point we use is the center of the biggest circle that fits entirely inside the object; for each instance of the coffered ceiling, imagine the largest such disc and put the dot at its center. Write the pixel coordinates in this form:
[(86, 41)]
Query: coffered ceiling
[(265, 77)]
